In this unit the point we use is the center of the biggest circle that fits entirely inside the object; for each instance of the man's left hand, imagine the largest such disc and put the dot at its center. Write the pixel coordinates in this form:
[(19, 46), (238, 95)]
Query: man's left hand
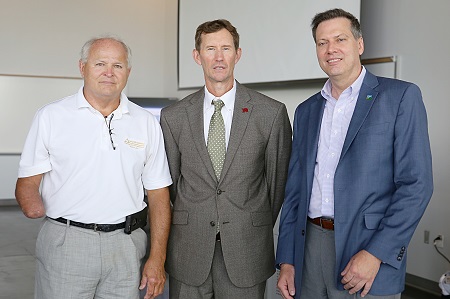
[(154, 278), (360, 272)]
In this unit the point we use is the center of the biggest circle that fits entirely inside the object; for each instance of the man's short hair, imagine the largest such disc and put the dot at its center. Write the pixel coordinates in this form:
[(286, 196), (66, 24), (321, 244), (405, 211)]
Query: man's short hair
[(215, 26)]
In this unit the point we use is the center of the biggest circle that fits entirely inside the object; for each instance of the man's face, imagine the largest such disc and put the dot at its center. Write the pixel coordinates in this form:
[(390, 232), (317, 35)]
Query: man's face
[(217, 56), (337, 49), (106, 71)]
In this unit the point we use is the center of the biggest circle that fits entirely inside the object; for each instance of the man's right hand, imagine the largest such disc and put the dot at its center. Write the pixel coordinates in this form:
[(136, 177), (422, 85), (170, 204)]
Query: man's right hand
[(286, 283)]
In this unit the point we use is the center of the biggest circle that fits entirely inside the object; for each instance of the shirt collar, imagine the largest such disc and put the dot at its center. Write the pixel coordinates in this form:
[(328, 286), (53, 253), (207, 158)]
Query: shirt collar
[(122, 109), (228, 99), (352, 90)]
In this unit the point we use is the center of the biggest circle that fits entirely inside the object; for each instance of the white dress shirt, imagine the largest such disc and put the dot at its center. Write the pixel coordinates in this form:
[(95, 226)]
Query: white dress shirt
[(227, 111), (335, 122)]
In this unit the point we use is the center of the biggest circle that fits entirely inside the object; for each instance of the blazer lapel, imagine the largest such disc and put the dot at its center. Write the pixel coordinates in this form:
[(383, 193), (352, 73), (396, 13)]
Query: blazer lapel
[(366, 98), (313, 132), (195, 116), (241, 115)]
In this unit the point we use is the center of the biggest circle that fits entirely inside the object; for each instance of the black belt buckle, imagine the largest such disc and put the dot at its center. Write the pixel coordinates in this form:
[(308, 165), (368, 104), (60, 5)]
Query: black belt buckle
[(136, 220)]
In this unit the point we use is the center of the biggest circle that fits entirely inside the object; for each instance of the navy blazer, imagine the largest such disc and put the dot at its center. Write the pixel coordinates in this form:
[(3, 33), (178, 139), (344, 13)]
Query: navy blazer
[(382, 185)]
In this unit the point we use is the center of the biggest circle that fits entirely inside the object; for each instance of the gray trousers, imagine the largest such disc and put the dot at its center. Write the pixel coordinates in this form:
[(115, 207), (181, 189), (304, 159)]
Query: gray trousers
[(318, 280), (218, 285), (77, 263)]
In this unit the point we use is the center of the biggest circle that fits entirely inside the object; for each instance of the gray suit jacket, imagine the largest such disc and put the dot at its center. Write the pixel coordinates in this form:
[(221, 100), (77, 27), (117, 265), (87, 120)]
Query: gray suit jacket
[(247, 198)]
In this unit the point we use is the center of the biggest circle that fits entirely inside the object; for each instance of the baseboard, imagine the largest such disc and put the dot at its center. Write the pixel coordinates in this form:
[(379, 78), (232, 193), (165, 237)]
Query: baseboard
[(423, 284)]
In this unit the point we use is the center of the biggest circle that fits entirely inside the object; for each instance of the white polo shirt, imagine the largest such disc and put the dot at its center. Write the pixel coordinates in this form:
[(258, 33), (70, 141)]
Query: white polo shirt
[(85, 179)]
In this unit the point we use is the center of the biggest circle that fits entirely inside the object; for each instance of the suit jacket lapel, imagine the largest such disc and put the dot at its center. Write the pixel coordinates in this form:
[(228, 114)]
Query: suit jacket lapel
[(366, 98), (313, 132), (241, 115), (195, 116)]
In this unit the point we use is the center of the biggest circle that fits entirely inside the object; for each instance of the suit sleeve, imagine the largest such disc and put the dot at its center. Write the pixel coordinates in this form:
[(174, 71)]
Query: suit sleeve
[(173, 155), (289, 213), (277, 159), (412, 178)]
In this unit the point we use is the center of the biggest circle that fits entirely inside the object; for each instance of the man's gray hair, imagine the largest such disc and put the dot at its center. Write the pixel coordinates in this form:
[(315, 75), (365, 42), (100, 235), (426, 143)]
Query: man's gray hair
[(87, 47)]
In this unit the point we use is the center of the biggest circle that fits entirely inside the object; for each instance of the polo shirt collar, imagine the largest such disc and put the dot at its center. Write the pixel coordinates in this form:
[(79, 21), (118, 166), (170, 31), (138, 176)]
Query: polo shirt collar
[(122, 109)]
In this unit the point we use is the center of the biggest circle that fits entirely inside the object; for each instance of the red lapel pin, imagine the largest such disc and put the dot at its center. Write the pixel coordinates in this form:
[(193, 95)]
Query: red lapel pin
[(244, 110)]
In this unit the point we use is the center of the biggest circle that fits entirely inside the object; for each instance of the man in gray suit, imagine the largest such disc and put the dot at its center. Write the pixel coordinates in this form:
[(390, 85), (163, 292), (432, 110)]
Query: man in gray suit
[(229, 177)]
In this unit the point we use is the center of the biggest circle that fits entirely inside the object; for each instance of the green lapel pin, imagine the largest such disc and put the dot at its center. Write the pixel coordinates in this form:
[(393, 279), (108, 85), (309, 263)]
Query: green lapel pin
[(369, 97)]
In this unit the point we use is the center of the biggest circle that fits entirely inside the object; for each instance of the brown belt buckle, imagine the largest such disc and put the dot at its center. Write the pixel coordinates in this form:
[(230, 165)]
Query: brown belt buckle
[(327, 223)]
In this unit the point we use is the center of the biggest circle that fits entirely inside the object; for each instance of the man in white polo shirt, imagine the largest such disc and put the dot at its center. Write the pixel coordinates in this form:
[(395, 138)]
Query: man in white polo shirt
[(93, 154)]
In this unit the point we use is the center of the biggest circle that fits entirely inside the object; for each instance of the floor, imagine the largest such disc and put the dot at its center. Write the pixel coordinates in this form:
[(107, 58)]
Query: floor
[(17, 264)]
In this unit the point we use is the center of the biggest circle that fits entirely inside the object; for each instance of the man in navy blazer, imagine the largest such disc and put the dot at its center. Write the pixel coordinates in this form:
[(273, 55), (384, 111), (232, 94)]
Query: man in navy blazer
[(359, 177)]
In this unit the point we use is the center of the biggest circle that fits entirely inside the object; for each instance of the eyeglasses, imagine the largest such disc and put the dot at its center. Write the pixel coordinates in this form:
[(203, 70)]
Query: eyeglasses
[(108, 125)]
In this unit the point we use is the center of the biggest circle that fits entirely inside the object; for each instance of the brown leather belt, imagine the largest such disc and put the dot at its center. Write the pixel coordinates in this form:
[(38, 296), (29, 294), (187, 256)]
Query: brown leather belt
[(326, 223)]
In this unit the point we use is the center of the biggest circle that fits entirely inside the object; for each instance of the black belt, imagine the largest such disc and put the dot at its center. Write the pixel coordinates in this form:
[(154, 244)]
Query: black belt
[(326, 223), (93, 226)]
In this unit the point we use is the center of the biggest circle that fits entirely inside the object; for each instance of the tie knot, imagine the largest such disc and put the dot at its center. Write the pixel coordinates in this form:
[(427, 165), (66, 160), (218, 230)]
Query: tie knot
[(218, 104)]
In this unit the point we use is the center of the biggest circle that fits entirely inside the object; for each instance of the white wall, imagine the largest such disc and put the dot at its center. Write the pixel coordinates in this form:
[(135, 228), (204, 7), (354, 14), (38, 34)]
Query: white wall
[(414, 30), (44, 37), (282, 21), (290, 94), (9, 165)]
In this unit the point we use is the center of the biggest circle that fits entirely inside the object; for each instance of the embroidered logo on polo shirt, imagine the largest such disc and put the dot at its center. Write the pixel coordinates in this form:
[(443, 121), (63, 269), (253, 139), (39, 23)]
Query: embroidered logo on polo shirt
[(134, 144)]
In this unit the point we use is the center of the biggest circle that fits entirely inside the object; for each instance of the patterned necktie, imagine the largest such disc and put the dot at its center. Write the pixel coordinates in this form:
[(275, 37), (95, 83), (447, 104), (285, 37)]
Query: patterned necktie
[(216, 138)]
